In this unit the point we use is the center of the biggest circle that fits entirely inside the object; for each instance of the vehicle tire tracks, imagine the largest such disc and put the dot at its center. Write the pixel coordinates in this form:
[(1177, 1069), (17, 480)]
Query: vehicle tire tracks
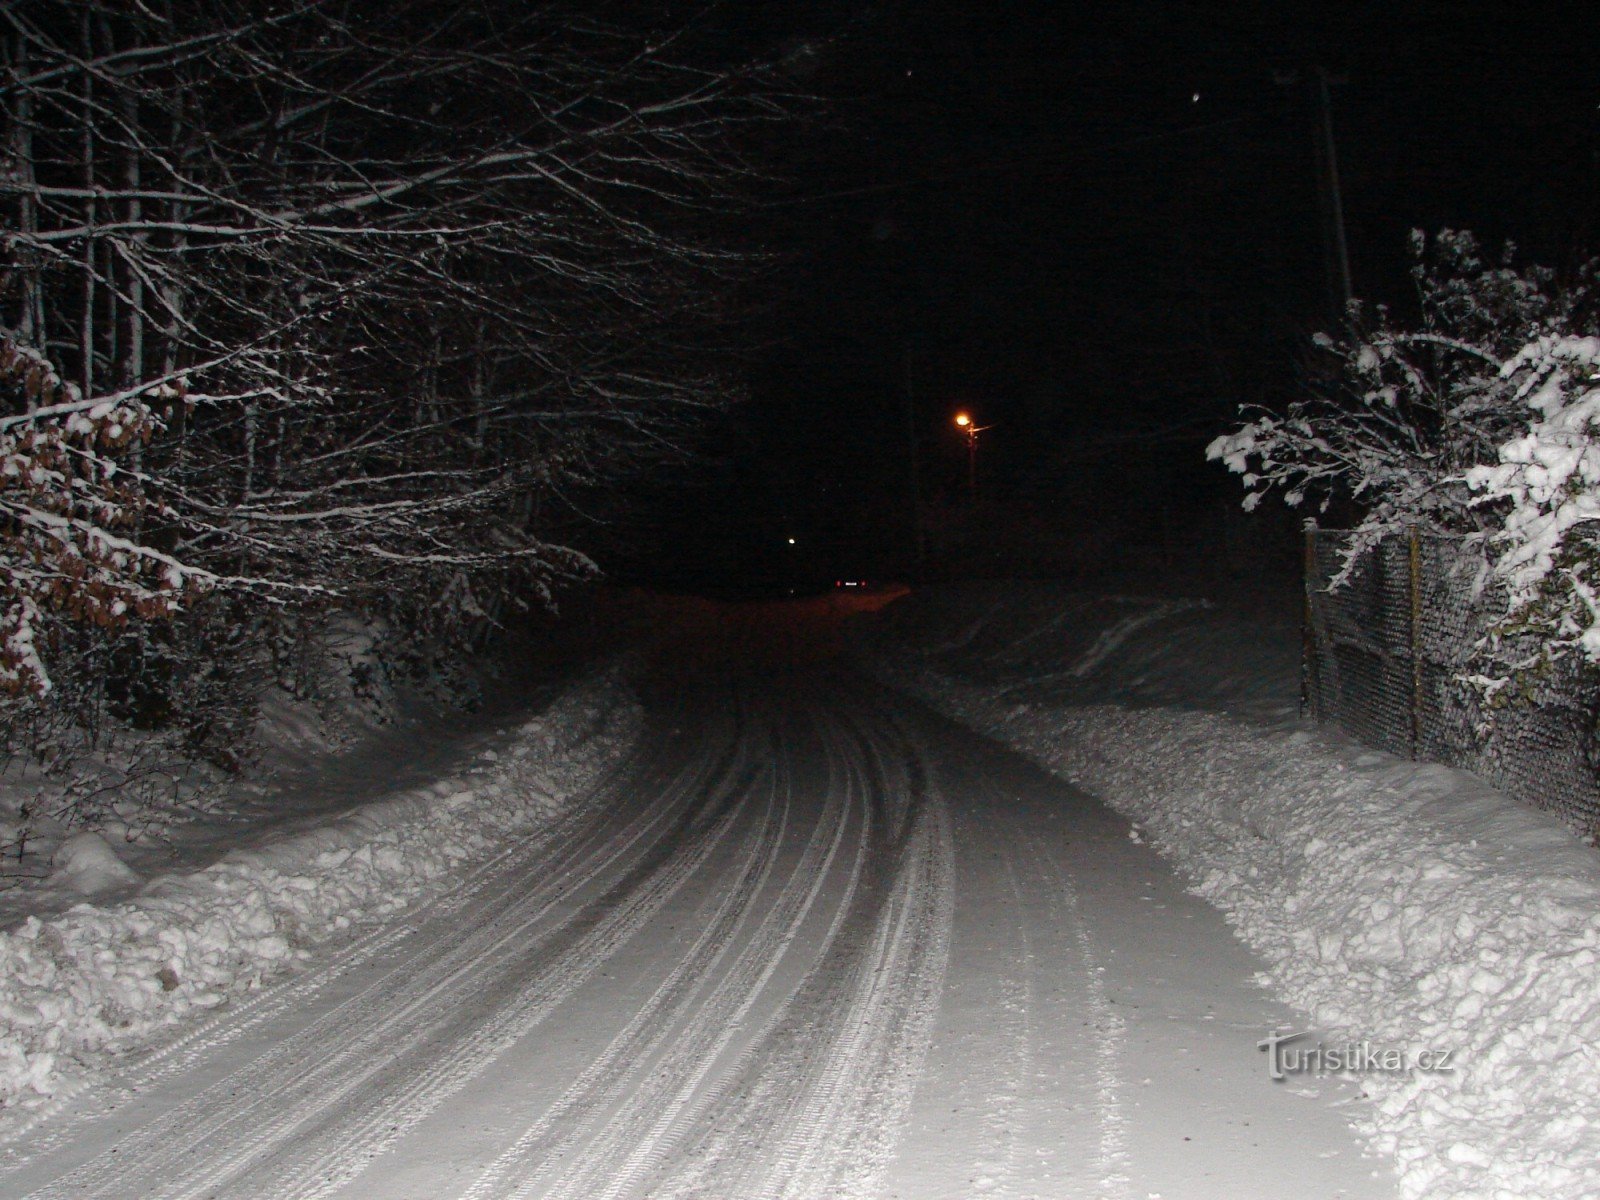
[(254, 1111)]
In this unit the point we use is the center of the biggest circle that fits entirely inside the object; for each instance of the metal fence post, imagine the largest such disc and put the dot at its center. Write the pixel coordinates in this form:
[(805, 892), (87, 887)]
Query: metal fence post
[(1431, 601), (1310, 675), (1415, 640)]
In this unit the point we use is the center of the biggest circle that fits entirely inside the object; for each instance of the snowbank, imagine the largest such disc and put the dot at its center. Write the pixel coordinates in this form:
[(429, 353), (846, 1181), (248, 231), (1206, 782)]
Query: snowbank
[(85, 863), (142, 788), (1401, 905), (96, 978)]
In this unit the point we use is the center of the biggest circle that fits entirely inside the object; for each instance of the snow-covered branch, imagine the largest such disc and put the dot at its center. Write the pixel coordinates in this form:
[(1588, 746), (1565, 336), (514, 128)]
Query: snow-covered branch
[(1391, 418), (348, 297), (1481, 423)]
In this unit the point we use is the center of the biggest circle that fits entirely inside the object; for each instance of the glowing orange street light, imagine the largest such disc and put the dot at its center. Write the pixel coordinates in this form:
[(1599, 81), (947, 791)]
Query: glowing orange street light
[(965, 424)]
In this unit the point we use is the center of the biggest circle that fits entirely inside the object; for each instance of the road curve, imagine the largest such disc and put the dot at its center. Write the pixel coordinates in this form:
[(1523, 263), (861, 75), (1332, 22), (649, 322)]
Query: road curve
[(809, 941)]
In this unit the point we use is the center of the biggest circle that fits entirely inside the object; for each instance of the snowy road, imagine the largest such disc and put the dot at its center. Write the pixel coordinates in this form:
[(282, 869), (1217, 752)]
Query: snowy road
[(810, 940)]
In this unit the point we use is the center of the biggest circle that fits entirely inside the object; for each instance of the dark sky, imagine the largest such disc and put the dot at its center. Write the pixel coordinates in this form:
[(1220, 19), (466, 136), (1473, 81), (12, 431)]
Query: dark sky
[(1100, 228)]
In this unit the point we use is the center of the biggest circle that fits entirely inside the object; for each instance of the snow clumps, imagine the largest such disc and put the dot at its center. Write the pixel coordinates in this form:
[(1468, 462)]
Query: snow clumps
[(1398, 904), (106, 978)]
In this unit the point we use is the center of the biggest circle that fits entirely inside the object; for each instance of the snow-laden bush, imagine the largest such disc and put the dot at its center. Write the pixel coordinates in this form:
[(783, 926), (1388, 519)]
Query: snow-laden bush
[(1479, 422), (1392, 417), (1545, 488), (69, 509)]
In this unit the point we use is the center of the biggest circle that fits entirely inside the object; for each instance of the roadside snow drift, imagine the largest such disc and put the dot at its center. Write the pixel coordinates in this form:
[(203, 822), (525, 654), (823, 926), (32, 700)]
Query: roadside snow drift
[(99, 978), (1406, 907)]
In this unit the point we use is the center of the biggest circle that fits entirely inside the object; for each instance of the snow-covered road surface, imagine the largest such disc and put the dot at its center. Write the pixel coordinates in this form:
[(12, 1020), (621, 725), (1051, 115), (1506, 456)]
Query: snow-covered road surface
[(810, 940)]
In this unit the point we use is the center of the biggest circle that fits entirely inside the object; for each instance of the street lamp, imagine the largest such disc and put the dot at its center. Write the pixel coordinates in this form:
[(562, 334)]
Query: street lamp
[(965, 423)]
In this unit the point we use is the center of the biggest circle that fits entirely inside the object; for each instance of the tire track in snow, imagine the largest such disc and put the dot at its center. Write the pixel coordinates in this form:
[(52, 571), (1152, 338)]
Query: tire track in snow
[(461, 1035), (832, 1072), (755, 864), (1034, 860), (322, 1164), (143, 1070), (864, 1087), (1030, 1055), (1017, 988), (661, 1109), (392, 1008), (787, 1076), (1110, 1164), (841, 1144)]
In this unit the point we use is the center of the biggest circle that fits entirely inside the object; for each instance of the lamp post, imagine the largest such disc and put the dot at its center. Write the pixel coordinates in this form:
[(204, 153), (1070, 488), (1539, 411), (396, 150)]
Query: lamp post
[(967, 426)]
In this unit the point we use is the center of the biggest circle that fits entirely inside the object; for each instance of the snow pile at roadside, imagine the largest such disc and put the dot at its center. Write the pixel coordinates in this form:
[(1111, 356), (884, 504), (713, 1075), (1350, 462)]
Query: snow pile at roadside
[(1405, 906), (140, 786), (1045, 643), (106, 977)]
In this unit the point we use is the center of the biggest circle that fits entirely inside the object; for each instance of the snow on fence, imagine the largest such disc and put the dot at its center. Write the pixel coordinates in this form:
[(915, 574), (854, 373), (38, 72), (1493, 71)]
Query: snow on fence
[(1386, 654)]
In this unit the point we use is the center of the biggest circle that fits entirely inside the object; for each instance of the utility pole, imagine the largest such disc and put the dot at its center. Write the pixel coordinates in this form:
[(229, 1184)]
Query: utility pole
[(1336, 251), (1335, 200)]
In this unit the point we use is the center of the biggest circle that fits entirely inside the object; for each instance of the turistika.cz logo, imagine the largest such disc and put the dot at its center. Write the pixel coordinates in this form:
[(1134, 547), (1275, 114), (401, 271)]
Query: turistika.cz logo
[(1286, 1056)]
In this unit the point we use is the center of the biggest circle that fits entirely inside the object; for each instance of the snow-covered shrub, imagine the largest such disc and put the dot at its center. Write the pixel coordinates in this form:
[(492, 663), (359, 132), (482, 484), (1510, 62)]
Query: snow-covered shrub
[(69, 511), (1396, 417), (1482, 422), (120, 663), (1544, 489)]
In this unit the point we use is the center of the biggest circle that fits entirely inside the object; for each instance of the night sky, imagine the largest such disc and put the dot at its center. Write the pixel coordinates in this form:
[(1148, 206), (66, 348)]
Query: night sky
[(1100, 228)]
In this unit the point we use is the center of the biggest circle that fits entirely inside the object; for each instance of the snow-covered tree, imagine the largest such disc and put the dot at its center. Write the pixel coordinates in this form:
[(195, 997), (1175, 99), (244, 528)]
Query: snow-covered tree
[(1479, 422), (70, 513), (1544, 490), (1391, 417), (346, 301)]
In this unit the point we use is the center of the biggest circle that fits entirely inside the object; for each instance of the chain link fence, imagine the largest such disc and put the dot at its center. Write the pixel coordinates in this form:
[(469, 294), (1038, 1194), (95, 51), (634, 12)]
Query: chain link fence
[(1385, 656)]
